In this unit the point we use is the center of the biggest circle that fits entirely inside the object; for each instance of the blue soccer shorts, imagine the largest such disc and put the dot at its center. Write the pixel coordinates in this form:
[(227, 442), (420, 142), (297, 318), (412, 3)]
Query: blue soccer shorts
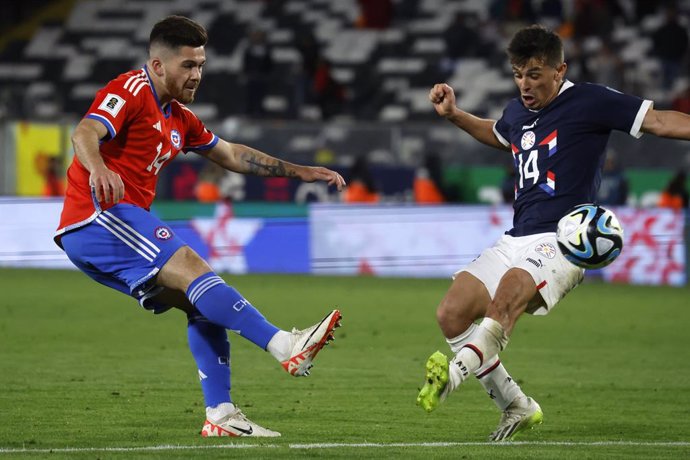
[(124, 248)]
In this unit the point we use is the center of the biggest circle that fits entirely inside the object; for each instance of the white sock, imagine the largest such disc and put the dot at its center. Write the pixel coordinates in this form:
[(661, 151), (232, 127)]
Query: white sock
[(488, 339), (493, 376), (500, 386), (279, 346), (217, 413), (456, 343)]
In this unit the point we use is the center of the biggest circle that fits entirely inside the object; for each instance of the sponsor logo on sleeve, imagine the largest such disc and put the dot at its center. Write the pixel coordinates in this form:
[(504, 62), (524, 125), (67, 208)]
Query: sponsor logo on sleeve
[(112, 103)]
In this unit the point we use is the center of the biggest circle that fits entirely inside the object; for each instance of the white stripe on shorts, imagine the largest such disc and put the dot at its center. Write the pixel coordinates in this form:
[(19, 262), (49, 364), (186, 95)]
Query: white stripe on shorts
[(123, 239), (132, 231), (122, 232)]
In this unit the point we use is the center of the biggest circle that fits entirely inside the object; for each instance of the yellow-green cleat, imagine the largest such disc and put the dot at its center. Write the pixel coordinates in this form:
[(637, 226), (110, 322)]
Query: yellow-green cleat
[(431, 394)]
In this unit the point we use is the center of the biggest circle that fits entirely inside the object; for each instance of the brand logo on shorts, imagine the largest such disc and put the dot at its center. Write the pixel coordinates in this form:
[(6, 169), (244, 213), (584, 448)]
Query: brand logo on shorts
[(528, 140), (546, 249), (537, 263), (163, 233), (175, 138)]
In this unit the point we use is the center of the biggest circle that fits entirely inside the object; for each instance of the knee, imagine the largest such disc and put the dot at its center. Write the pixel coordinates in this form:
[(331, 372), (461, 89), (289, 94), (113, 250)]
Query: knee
[(188, 256), (181, 269), (454, 318), (445, 313)]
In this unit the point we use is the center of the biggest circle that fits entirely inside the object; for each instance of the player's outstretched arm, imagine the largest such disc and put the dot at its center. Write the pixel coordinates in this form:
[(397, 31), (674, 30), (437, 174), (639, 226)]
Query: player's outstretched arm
[(106, 183), (667, 123), (442, 97), (246, 160)]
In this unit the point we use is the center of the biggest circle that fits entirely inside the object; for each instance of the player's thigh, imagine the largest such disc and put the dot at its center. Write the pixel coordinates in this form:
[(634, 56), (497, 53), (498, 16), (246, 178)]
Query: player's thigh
[(553, 275), (92, 272), (181, 269), (515, 292), (481, 277), (473, 288), (124, 248), (467, 298)]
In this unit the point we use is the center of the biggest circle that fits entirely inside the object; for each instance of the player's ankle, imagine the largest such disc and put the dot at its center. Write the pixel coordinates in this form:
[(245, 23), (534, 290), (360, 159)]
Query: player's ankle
[(217, 413), (279, 346)]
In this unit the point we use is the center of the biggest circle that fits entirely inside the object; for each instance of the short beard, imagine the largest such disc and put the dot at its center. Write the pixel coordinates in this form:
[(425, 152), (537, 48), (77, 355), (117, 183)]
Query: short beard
[(188, 100), (181, 93)]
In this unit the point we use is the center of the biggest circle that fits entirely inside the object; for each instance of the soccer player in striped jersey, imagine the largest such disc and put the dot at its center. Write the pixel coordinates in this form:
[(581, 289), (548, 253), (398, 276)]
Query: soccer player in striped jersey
[(556, 132), (136, 125)]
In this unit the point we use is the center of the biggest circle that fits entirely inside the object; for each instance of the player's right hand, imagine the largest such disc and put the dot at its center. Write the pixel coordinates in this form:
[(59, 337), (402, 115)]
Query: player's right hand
[(107, 185), (443, 98)]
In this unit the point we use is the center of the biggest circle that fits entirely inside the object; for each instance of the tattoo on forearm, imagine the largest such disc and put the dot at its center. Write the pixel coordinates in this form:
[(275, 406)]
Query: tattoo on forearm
[(266, 166)]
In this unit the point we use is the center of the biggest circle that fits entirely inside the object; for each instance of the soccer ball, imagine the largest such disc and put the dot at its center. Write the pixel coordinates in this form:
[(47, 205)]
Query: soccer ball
[(590, 236)]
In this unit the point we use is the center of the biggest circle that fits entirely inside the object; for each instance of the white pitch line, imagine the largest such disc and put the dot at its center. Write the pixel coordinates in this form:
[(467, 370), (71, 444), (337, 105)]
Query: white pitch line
[(495, 444), (334, 445), (134, 449), (166, 447)]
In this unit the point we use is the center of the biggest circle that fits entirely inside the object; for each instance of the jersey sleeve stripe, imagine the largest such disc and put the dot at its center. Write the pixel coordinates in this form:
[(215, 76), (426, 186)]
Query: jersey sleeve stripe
[(140, 75), (139, 86), (211, 144), (109, 126), (500, 138), (130, 80), (635, 130)]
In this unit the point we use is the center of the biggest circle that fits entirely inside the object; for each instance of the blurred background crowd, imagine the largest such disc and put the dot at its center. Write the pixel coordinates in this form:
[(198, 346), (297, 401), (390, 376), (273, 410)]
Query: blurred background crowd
[(344, 83)]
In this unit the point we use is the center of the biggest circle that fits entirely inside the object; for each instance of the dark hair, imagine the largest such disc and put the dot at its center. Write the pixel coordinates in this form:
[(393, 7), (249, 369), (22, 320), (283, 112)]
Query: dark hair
[(535, 42), (175, 31)]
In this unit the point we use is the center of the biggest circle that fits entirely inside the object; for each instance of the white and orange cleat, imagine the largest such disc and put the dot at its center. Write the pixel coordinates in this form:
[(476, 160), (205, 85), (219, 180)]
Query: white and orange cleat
[(307, 343), (236, 424)]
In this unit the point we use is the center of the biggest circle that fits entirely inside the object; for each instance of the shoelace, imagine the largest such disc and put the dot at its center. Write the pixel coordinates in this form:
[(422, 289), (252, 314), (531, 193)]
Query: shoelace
[(509, 417), (240, 415)]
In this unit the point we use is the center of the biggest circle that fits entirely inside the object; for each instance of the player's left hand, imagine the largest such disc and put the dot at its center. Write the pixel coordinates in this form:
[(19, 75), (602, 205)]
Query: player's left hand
[(318, 173)]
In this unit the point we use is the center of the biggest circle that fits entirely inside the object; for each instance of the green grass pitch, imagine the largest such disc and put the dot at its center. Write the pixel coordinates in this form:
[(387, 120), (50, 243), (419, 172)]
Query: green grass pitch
[(82, 367)]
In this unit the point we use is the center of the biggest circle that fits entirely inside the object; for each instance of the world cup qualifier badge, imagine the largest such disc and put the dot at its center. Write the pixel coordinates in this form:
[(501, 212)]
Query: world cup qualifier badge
[(163, 233)]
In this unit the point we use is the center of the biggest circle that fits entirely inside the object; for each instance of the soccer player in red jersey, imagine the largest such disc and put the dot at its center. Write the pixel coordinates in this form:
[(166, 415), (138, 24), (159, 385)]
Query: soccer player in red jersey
[(136, 125)]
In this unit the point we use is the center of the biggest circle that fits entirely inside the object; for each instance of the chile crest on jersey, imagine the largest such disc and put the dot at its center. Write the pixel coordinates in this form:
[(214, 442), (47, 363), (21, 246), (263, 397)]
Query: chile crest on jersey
[(175, 139)]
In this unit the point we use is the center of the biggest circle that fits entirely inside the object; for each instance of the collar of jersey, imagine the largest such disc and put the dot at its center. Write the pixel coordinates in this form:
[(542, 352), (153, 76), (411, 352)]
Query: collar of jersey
[(566, 85), (166, 111)]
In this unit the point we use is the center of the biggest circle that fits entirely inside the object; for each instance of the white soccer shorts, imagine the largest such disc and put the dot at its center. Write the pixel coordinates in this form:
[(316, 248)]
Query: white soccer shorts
[(537, 254)]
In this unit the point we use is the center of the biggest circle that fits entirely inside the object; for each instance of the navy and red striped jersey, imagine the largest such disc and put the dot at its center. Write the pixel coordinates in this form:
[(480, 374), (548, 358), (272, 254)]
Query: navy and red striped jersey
[(559, 150)]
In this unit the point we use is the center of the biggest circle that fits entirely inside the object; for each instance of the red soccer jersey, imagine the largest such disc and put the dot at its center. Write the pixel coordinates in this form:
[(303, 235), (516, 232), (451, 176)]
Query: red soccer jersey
[(142, 139)]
